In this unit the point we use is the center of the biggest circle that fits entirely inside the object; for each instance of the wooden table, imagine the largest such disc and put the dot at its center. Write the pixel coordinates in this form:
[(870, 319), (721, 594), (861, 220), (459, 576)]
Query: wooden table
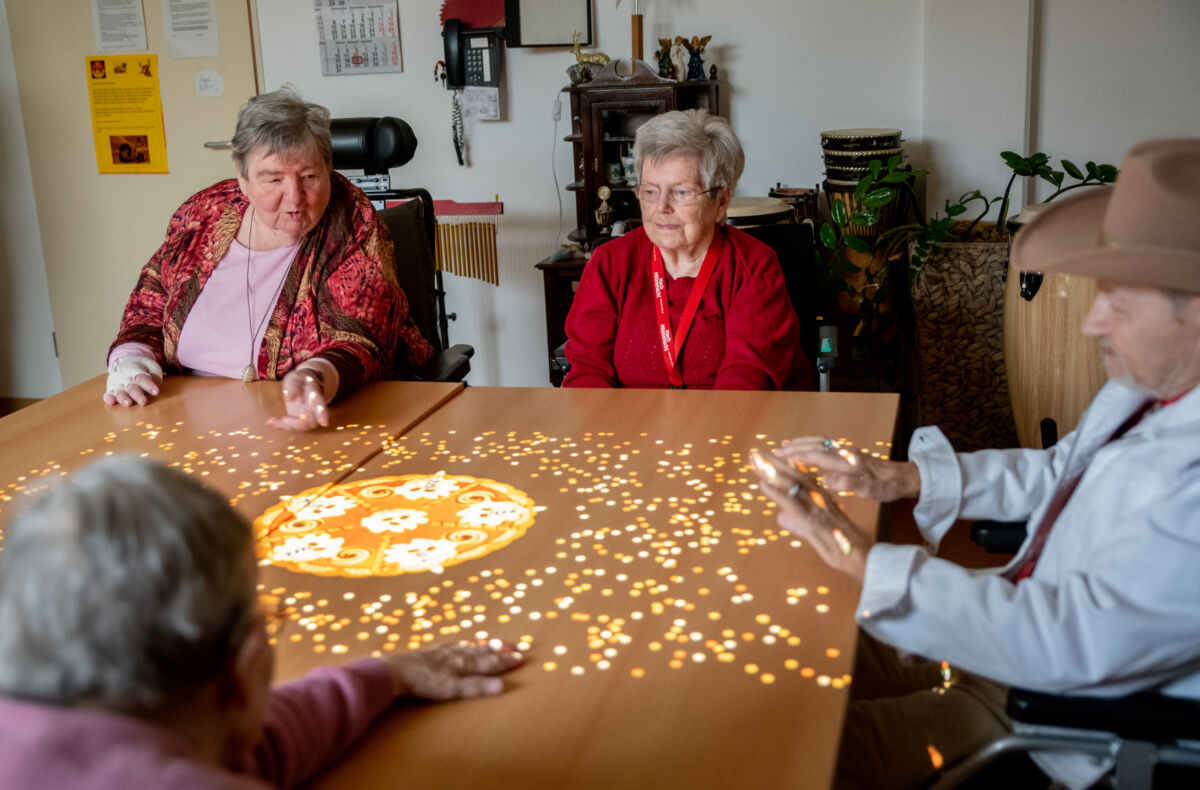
[(214, 428), (676, 636)]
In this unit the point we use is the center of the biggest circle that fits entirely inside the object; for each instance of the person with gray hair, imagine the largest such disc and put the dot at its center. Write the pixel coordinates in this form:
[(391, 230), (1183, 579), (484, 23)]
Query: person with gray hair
[(134, 651), (1103, 597), (683, 300), (281, 273)]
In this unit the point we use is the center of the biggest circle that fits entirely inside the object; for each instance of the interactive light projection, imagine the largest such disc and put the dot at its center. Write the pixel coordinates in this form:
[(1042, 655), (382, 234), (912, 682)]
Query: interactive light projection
[(656, 560), (641, 579), (391, 525)]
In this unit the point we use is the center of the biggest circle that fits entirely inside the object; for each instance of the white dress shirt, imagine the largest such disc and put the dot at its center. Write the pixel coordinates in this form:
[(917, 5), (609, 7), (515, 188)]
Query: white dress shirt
[(1113, 606)]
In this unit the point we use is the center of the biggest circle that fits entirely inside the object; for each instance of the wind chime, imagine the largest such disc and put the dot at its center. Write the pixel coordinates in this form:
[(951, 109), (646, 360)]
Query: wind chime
[(465, 239)]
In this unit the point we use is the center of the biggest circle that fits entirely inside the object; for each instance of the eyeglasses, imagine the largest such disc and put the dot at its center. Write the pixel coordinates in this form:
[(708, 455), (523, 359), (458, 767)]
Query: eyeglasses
[(677, 196)]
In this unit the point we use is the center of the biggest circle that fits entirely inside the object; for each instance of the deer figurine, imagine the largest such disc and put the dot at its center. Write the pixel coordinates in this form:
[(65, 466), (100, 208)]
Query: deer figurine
[(594, 58)]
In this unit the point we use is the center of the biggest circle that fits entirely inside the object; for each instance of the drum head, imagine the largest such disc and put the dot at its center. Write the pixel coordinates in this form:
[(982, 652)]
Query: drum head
[(859, 139), (746, 211)]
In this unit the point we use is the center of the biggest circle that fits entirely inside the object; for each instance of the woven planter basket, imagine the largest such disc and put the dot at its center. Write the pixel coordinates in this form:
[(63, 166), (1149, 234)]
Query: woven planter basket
[(958, 312)]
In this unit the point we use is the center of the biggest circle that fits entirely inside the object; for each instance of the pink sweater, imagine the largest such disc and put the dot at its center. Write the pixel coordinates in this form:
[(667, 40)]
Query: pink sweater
[(309, 723)]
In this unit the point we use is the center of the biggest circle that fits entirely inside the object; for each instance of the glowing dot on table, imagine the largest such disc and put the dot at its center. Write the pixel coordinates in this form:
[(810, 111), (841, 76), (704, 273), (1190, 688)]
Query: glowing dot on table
[(824, 680), (549, 666), (751, 669), (832, 652), (637, 672), (791, 663), (822, 608), (767, 678)]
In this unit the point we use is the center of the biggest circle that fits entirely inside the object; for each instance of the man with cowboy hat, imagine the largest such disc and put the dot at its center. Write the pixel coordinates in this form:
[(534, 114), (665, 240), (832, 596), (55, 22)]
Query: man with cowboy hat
[(1103, 598)]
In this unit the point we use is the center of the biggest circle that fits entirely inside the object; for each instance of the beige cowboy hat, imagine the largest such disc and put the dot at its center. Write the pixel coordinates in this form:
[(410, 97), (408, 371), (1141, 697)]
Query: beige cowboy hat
[(1143, 230)]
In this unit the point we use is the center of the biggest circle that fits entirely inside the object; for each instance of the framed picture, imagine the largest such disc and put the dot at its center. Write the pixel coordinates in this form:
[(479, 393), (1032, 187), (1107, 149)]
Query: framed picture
[(547, 23)]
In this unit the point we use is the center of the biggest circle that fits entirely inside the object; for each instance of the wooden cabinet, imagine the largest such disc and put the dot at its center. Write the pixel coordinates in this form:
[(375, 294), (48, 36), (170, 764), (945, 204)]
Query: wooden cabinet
[(605, 114), (560, 279)]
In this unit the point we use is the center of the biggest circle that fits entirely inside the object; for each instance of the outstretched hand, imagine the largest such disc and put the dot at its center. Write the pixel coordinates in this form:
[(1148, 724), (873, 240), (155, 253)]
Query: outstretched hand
[(453, 671), (844, 470), (304, 399), (813, 514), (132, 380)]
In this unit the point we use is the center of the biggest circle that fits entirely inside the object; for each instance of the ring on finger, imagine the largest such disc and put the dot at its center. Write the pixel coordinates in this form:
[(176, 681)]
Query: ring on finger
[(829, 444)]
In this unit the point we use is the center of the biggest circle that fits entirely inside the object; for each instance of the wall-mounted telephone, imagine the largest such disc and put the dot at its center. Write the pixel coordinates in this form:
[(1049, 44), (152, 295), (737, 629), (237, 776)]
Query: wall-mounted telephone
[(472, 56)]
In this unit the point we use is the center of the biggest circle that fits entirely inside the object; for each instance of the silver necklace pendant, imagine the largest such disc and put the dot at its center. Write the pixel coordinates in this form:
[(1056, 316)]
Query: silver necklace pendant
[(249, 374)]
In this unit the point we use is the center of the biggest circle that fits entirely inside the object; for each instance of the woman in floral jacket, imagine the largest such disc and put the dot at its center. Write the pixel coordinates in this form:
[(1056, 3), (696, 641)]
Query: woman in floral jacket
[(284, 273)]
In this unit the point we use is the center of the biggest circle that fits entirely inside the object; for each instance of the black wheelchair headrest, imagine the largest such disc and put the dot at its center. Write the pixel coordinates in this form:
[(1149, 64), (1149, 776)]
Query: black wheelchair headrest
[(375, 145)]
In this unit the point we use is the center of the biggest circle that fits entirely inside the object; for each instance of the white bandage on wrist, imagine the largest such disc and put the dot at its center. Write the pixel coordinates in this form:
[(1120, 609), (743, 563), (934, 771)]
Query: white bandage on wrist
[(123, 370)]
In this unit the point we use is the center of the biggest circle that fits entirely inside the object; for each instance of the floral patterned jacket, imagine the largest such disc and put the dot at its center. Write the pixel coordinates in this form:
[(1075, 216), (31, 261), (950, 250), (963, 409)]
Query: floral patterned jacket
[(339, 301)]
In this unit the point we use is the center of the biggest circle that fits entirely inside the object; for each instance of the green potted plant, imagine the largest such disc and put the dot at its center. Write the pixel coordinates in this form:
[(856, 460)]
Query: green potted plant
[(956, 269)]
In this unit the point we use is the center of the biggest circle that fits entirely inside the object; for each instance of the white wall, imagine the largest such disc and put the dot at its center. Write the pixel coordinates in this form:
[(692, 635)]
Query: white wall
[(959, 77), (788, 72), (974, 77), (28, 368), (1114, 73), (1081, 79)]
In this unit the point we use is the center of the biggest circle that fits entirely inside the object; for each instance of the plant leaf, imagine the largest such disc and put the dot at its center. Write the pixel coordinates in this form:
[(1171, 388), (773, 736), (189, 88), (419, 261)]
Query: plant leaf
[(1108, 173), (1013, 159), (865, 217), (1055, 177), (862, 186), (828, 236), (858, 245), (955, 210), (898, 177), (875, 166), (1093, 171), (1072, 170), (838, 209), (879, 197)]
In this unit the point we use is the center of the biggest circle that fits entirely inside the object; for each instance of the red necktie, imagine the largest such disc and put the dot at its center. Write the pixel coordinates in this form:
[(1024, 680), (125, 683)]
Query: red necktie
[(1063, 494)]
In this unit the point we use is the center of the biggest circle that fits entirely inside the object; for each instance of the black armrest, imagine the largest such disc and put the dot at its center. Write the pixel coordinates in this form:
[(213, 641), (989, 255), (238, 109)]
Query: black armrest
[(453, 364), (1146, 716), (558, 360), (999, 537)]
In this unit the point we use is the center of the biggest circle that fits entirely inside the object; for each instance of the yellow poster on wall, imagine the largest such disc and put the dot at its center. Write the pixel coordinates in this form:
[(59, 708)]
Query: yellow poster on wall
[(127, 120)]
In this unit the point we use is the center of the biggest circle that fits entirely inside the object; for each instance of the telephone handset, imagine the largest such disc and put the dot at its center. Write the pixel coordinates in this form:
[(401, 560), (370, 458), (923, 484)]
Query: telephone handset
[(472, 56)]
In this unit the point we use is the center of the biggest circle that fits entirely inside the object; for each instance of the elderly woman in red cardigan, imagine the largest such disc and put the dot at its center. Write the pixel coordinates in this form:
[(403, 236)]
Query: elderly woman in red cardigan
[(684, 300), (284, 273)]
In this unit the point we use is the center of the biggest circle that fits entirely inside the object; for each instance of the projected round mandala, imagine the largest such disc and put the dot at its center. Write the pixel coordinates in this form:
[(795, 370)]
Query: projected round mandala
[(392, 525)]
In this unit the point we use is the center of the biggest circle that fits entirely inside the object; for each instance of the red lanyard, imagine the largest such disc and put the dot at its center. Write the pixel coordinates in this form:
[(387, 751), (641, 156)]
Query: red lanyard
[(673, 343)]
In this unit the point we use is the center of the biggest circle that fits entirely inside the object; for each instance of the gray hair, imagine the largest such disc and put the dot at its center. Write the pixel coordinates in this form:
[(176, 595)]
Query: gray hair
[(121, 587), (696, 133), (280, 122)]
